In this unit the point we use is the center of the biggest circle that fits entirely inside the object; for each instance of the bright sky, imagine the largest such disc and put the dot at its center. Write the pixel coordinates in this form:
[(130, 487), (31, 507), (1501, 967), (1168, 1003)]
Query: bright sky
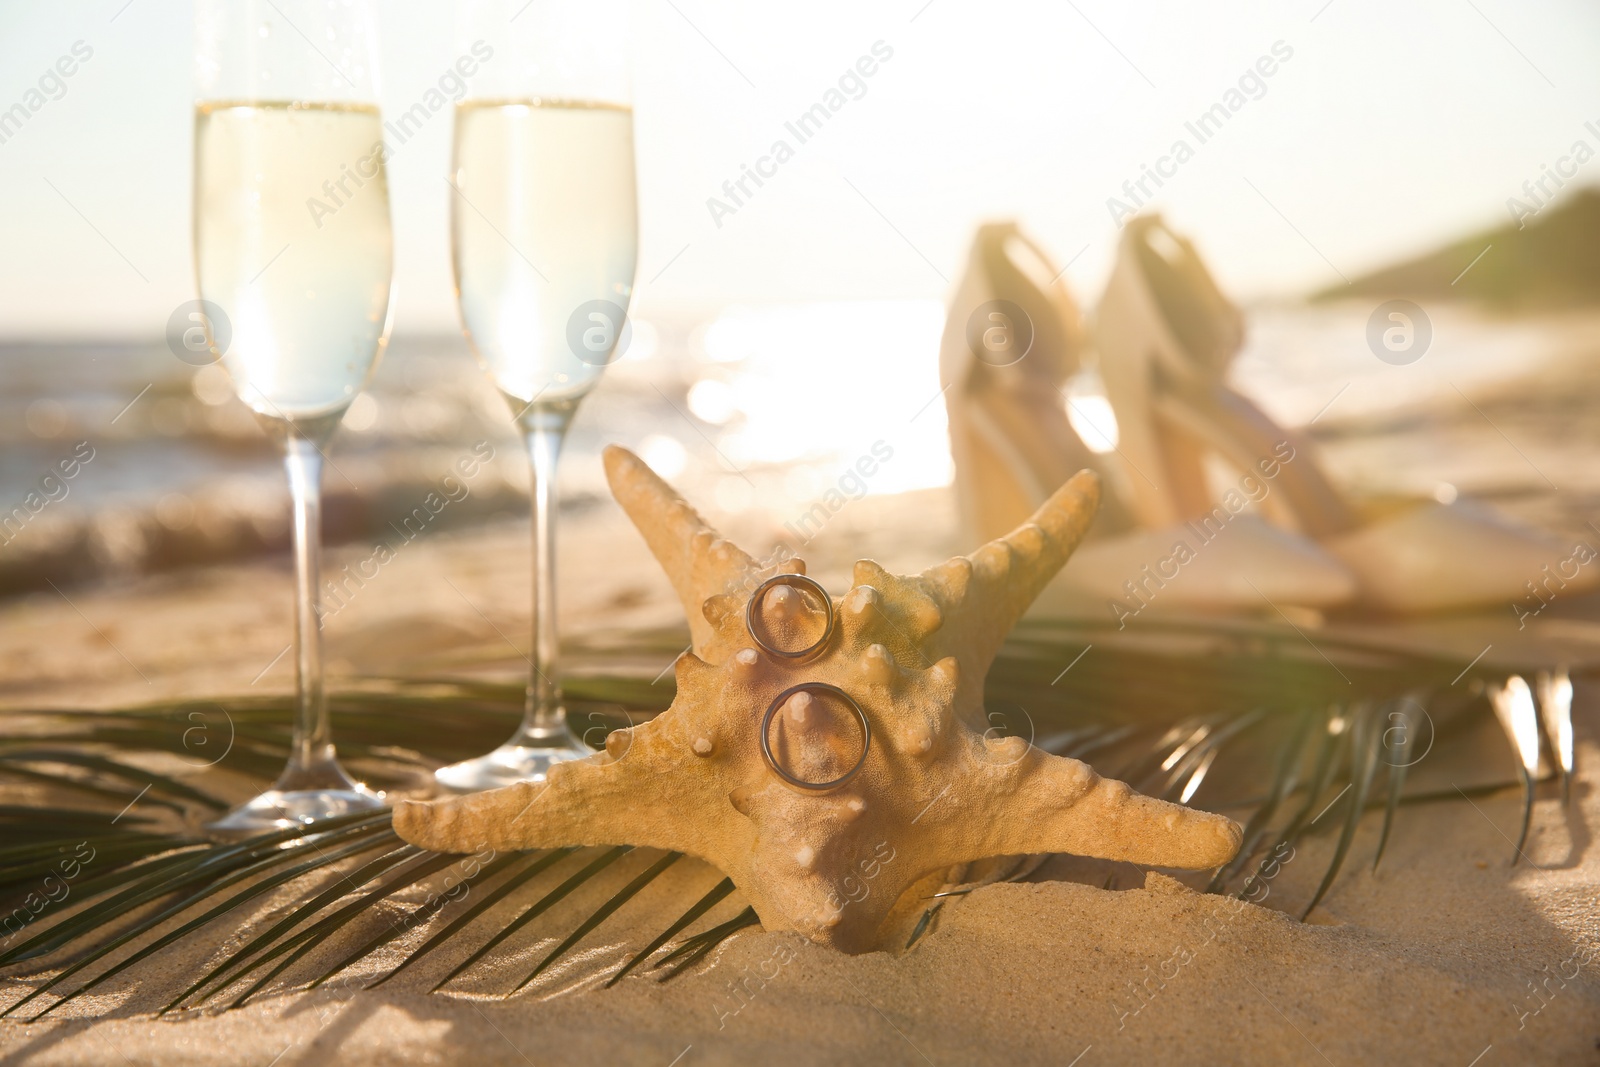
[(1391, 126)]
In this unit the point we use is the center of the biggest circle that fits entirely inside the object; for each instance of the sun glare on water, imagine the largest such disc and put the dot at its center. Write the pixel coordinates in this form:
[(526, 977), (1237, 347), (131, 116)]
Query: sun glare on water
[(821, 383)]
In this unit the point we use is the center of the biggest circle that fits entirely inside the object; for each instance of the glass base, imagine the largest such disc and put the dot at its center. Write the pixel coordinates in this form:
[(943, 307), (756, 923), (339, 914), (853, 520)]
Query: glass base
[(280, 808), (527, 757)]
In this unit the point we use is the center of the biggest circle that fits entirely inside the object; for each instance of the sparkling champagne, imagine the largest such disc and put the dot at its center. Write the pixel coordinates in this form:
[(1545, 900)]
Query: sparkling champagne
[(292, 241), (545, 227)]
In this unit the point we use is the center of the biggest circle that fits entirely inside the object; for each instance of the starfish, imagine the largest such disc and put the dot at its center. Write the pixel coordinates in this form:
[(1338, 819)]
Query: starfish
[(933, 786)]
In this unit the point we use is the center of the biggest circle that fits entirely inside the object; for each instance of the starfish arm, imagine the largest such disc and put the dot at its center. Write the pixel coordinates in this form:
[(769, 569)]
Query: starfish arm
[(1062, 805), (699, 561), (982, 595), (586, 802)]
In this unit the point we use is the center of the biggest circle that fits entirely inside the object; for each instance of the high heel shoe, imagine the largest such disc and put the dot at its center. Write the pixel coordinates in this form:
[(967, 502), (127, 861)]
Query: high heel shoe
[(1012, 339), (1166, 334)]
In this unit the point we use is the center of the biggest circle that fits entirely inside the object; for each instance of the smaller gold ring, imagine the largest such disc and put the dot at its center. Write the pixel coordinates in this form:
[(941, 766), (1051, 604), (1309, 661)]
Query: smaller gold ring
[(795, 581)]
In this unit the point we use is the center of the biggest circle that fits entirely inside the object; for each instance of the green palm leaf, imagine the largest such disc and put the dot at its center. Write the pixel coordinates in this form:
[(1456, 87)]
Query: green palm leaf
[(543, 904), (1232, 715), (490, 899), (683, 922), (604, 912), (265, 885)]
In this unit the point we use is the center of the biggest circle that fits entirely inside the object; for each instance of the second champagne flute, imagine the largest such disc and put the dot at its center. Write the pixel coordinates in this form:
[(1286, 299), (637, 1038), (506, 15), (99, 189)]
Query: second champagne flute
[(293, 245), (545, 233)]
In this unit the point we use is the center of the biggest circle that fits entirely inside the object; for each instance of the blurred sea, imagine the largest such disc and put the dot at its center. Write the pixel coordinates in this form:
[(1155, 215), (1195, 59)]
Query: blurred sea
[(760, 408)]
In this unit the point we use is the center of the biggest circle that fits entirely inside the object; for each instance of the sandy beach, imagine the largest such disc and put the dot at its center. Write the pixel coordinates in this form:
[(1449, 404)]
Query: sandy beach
[(1447, 953)]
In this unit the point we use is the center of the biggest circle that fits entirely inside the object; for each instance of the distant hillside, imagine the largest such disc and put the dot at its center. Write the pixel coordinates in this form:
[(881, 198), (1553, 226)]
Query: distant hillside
[(1553, 261)]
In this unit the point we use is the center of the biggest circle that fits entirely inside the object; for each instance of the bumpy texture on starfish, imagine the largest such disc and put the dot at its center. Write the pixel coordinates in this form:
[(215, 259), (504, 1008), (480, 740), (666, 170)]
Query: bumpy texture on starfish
[(936, 789)]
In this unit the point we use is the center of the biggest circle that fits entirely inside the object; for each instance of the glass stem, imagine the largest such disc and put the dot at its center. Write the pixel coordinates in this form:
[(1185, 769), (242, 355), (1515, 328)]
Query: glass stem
[(544, 717), (312, 748)]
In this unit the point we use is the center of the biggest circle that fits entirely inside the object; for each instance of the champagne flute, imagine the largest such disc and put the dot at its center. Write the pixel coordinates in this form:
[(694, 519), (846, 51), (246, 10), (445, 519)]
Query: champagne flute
[(292, 242), (545, 231)]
